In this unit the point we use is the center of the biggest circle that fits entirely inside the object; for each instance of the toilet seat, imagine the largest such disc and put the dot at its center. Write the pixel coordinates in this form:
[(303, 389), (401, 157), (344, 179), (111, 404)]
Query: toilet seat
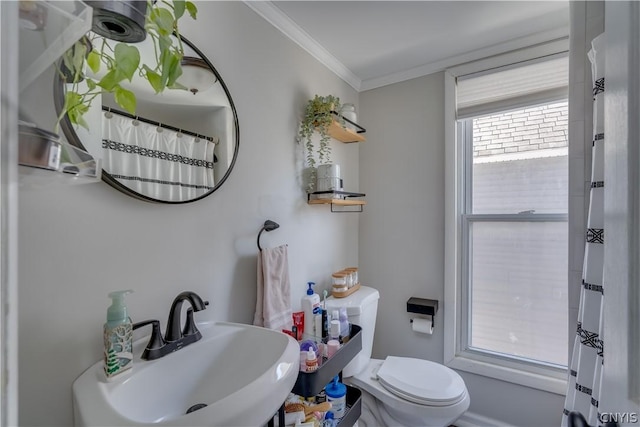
[(421, 381)]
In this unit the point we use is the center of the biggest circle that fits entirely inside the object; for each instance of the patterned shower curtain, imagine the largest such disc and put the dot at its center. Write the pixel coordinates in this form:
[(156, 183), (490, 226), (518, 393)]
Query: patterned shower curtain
[(585, 370), (156, 162)]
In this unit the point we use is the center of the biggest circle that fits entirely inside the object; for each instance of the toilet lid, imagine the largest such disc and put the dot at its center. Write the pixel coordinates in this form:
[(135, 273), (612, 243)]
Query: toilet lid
[(421, 381)]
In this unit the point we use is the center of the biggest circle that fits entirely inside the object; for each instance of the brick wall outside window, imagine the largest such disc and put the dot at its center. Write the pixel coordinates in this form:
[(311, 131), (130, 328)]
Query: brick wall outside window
[(533, 128)]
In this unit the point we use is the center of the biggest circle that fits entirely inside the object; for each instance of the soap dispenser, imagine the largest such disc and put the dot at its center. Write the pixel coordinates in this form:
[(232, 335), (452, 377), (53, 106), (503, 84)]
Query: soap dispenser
[(118, 337), (310, 306)]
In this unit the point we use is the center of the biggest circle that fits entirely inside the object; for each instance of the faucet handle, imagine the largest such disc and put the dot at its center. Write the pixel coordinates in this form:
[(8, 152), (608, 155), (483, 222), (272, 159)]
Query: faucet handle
[(156, 342), (190, 327)]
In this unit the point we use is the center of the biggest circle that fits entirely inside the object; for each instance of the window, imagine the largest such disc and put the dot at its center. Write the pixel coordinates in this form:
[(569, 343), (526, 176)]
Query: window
[(509, 224)]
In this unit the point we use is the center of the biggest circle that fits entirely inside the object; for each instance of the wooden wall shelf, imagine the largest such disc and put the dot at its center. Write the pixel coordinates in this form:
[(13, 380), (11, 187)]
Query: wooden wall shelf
[(340, 202), (338, 198), (345, 135)]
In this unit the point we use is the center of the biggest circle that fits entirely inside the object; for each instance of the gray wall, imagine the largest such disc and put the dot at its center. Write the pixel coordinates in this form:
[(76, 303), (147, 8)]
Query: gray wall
[(401, 230), (77, 243), (402, 238)]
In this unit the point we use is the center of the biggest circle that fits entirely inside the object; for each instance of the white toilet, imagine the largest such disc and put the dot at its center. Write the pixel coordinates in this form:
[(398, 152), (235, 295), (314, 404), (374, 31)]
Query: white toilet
[(398, 391)]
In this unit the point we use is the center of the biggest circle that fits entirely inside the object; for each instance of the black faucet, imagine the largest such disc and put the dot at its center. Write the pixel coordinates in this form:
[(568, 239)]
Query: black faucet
[(173, 332), (174, 338)]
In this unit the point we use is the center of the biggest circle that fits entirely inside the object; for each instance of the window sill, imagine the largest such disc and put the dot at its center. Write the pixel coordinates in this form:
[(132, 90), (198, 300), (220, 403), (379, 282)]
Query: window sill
[(552, 380)]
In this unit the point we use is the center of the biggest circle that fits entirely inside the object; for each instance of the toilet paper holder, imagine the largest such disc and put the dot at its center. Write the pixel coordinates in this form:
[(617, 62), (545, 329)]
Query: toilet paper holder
[(428, 307)]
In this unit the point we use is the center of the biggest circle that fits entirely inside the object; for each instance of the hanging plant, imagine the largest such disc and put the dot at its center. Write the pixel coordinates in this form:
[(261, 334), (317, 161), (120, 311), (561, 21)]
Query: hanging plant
[(122, 61), (317, 118)]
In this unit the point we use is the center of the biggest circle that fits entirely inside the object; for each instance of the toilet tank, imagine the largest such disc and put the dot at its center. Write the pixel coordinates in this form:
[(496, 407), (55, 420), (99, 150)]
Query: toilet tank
[(362, 308)]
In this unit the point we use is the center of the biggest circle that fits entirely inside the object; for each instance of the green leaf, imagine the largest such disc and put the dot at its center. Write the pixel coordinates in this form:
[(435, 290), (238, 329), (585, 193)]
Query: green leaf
[(111, 79), (91, 84), (192, 9), (73, 60), (79, 52), (165, 43), (71, 98), (175, 70), (75, 108), (93, 61), (168, 63), (125, 98), (127, 59), (154, 79), (164, 20), (178, 8)]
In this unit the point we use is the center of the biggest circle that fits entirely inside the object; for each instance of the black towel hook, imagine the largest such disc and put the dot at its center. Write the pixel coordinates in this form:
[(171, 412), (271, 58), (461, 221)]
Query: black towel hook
[(268, 226)]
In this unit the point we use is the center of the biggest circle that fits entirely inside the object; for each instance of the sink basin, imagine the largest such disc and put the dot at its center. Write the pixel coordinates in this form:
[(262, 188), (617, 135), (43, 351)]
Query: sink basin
[(241, 373)]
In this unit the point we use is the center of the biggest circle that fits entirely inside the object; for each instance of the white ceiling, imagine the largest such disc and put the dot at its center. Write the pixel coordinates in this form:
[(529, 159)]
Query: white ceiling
[(374, 43)]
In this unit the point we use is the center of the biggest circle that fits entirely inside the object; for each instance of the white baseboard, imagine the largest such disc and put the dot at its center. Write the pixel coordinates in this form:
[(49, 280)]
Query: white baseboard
[(470, 419)]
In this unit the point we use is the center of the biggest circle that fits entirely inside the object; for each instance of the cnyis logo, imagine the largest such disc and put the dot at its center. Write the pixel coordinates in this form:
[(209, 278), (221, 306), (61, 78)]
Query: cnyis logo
[(619, 417)]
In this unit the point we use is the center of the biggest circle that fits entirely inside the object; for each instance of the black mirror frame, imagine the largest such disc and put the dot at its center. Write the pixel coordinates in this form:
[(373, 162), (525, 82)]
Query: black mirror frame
[(73, 139)]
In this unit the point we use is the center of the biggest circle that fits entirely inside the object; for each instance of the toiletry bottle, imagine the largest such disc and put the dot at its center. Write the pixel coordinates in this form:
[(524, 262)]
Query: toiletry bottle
[(336, 395), (329, 420), (333, 344), (312, 361), (310, 305), (345, 329), (325, 323), (118, 337), (318, 325)]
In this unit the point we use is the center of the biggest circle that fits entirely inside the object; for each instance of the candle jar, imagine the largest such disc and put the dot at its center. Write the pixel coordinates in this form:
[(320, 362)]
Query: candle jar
[(349, 112), (348, 278), (339, 279), (353, 271)]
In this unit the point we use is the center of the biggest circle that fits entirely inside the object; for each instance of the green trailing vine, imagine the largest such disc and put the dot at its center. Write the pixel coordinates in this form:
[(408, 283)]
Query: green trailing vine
[(318, 118), (122, 61)]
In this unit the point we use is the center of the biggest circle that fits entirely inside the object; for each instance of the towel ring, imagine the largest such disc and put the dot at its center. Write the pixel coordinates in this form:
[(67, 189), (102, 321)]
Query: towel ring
[(268, 226)]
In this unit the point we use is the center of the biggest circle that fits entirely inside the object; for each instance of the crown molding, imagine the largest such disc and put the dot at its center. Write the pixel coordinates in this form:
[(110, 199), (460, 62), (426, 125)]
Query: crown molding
[(272, 14), (559, 36)]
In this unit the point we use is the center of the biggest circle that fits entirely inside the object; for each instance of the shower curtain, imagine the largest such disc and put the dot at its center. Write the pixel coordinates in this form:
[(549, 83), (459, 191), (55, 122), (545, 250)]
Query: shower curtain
[(156, 162), (585, 370)]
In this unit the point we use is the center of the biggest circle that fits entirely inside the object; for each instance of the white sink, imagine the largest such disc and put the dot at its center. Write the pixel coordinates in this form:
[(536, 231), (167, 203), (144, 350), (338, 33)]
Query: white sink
[(242, 373)]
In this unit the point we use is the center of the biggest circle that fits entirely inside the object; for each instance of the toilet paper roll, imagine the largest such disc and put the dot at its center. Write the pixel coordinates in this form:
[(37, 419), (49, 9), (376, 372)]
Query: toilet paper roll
[(423, 326)]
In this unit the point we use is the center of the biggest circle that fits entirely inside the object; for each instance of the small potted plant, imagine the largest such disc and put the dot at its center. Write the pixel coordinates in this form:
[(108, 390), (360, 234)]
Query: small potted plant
[(318, 117), (122, 61)]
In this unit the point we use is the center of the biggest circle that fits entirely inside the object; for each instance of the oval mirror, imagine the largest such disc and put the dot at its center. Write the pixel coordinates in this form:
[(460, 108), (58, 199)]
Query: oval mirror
[(180, 145)]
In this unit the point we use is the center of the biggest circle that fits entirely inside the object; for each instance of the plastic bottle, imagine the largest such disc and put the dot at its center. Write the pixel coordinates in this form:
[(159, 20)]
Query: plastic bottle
[(329, 420), (310, 305), (312, 361), (118, 337), (334, 343), (345, 330), (336, 395)]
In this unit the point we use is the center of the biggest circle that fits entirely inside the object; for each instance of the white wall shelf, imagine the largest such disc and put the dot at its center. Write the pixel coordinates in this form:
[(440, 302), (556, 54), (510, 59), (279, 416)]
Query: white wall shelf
[(47, 30)]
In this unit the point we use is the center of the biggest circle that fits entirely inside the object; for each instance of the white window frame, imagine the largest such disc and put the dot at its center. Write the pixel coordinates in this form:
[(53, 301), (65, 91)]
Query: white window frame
[(456, 354)]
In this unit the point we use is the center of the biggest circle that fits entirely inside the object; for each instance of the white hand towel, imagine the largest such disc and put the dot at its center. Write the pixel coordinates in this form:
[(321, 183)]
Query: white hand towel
[(273, 305)]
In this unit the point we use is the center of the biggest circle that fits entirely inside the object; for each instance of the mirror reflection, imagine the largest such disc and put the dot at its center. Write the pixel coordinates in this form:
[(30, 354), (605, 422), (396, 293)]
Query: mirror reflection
[(178, 147)]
